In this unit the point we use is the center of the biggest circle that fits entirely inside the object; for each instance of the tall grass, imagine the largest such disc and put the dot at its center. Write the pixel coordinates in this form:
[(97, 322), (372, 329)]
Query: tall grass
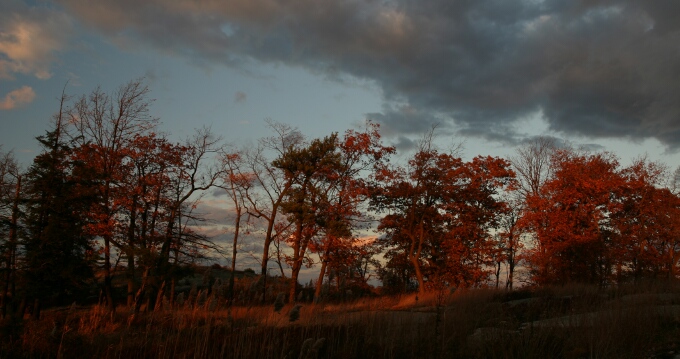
[(556, 322)]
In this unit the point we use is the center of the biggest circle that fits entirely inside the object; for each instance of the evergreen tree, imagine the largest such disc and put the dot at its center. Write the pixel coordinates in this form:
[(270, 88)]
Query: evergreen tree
[(56, 265)]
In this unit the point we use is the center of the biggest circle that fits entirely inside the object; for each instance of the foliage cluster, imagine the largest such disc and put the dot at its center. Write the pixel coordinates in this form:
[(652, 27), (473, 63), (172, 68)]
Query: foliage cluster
[(110, 193)]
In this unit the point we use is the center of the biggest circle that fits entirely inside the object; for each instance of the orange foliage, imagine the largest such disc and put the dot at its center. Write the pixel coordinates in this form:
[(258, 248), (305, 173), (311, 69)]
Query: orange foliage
[(597, 223), (438, 214)]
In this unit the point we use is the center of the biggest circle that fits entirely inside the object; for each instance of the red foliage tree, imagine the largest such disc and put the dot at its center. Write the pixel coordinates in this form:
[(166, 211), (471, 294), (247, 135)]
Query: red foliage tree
[(571, 218), (438, 213), (648, 224)]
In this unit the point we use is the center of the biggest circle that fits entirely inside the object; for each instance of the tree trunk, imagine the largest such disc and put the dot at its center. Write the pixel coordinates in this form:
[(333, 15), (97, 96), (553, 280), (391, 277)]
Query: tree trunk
[(267, 243), (130, 254), (319, 281), (11, 251), (297, 262), (415, 259), (265, 260), (159, 273), (498, 273), (279, 260), (130, 278), (324, 262), (237, 226), (511, 263), (511, 274), (419, 274), (108, 292)]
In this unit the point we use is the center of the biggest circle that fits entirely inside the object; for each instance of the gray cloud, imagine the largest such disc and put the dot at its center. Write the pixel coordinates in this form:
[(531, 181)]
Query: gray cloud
[(405, 119), (404, 144), (594, 68), (240, 96)]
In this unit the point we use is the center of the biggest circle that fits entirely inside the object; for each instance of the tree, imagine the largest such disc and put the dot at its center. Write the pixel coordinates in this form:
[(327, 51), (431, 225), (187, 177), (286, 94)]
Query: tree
[(571, 217), (597, 223), (647, 222), (350, 263), (533, 168), (271, 186), (508, 235), (198, 172), (532, 165), (142, 198), (236, 185), (57, 248), (471, 214), (10, 195), (309, 170), (107, 123), (361, 153), (144, 183), (438, 213)]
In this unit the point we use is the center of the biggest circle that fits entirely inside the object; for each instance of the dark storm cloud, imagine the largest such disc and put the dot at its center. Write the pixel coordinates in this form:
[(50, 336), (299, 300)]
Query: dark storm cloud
[(561, 143), (593, 68), (406, 119)]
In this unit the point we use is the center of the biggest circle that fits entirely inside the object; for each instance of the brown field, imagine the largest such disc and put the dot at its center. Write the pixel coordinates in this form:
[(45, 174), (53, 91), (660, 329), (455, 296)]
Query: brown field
[(640, 321)]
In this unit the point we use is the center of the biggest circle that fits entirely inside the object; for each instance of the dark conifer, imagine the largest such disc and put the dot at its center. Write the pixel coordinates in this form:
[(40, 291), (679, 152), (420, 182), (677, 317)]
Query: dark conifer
[(57, 270)]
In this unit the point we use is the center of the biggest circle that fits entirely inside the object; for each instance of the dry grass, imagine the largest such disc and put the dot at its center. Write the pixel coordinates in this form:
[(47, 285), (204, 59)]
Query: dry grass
[(558, 322)]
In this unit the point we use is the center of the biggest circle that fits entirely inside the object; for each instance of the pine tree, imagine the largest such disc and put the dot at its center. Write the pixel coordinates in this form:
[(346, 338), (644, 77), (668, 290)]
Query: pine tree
[(57, 270)]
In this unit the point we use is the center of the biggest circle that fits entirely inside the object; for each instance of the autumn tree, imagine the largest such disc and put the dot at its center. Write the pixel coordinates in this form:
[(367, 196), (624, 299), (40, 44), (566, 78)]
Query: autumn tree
[(396, 272), (107, 123), (270, 188), (310, 169), (438, 214), (327, 188), (146, 185), (236, 184), (571, 218), (351, 264), (532, 166), (143, 198), (345, 193), (198, 171), (647, 223), (472, 214)]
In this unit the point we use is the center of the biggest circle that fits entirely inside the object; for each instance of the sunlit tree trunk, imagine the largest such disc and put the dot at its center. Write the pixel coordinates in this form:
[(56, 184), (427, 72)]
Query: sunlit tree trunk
[(324, 263), (297, 262)]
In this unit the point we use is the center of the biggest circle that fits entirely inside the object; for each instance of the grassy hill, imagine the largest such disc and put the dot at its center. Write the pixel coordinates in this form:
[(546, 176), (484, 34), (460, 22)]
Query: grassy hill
[(641, 321)]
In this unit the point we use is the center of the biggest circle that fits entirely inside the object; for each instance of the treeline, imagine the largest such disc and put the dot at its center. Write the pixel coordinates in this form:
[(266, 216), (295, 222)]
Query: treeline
[(110, 191)]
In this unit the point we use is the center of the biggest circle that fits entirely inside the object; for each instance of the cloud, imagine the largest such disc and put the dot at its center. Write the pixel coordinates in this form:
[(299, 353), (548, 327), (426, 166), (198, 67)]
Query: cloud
[(404, 144), (406, 119), (29, 39), (240, 96), (600, 69), (17, 98), (216, 211)]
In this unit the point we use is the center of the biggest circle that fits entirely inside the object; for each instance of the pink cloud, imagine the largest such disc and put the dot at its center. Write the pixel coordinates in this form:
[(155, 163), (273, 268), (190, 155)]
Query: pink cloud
[(29, 38), (17, 98)]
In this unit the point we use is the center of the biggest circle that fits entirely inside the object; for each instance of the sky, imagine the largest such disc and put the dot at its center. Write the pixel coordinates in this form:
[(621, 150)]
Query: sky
[(491, 74)]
